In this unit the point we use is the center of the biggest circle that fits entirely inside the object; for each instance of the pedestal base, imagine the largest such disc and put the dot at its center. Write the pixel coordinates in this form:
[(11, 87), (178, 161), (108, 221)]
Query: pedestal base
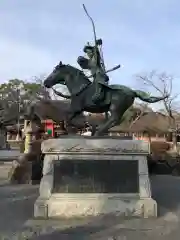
[(73, 185), (84, 205)]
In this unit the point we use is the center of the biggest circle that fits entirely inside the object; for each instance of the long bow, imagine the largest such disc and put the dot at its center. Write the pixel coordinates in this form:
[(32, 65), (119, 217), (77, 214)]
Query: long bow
[(94, 31)]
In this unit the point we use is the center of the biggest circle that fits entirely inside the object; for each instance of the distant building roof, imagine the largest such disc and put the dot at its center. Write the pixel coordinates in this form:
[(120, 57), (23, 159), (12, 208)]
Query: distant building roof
[(152, 121)]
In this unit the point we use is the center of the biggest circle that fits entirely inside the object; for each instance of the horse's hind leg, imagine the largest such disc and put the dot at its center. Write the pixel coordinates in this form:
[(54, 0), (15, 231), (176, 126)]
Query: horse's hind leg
[(120, 102), (72, 119), (111, 122), (104, 127), (116, 118)]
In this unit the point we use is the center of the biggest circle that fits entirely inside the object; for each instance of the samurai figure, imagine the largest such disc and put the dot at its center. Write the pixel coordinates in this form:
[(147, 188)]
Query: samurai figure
[(93, 63)]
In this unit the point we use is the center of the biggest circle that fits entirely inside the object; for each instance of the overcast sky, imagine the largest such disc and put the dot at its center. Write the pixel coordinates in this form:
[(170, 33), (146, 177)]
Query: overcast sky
[(141, 34)]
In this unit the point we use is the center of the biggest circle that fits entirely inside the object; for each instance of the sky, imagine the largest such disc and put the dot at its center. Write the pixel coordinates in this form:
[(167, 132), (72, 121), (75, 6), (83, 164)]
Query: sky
[(142, 35)]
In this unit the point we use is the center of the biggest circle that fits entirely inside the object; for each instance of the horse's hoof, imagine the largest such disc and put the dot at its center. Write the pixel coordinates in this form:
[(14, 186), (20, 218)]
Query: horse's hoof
[(96, 135)]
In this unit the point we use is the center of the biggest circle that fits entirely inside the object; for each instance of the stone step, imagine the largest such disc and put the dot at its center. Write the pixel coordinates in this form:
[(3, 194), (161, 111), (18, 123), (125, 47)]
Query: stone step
[(9, 154), (4, 169), (6, 159)]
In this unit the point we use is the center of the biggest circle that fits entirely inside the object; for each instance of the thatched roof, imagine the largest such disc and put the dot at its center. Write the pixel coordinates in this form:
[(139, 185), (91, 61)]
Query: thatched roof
[(51, 109), (57, 110), (151, 122), (95, 119)]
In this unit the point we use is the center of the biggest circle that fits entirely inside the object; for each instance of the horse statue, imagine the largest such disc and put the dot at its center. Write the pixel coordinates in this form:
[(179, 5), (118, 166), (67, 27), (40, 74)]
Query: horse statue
[(117, 98)]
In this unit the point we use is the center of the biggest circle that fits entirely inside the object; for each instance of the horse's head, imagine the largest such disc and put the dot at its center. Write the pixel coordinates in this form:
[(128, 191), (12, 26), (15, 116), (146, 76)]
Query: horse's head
[(57, 76), (67, 75)]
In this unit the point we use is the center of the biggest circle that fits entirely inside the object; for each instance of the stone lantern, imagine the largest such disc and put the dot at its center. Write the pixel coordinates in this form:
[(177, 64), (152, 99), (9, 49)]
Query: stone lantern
[(29, 132)]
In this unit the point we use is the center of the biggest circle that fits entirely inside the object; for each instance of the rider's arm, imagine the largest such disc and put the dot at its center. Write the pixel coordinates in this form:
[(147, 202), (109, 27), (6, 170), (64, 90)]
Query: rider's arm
[(83, 62)]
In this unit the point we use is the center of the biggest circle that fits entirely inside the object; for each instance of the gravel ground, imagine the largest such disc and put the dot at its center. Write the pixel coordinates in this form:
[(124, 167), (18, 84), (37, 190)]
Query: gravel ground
[(16, 207)]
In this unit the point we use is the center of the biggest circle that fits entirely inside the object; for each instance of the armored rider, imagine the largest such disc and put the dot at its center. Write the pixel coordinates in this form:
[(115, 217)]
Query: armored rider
[(94, 64)]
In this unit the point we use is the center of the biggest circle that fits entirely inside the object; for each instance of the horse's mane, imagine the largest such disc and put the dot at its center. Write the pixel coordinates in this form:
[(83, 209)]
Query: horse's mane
[(76, 71)]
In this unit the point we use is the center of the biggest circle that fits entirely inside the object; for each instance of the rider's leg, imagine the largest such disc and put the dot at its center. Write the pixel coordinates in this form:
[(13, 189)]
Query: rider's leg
[(98, 93)]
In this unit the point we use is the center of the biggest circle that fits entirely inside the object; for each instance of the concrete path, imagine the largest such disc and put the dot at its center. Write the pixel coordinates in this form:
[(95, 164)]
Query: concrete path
[(16, 208)]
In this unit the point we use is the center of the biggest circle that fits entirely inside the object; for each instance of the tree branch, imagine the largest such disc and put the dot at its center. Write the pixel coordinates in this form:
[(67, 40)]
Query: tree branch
[(163, 84)]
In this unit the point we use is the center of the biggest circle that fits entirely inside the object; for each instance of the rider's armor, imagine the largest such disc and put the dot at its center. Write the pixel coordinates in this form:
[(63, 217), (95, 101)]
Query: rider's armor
[(99, 76)]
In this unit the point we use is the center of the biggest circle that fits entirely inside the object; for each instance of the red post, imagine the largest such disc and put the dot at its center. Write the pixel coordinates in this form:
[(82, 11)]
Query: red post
[(49, 126)]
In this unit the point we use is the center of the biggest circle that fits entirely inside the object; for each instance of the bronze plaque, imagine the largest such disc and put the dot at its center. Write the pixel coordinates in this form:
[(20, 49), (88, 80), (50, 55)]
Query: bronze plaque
[(96, 176)]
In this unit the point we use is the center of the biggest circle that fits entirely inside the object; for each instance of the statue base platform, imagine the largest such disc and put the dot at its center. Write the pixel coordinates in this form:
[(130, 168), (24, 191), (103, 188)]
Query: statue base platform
[(85, 176)]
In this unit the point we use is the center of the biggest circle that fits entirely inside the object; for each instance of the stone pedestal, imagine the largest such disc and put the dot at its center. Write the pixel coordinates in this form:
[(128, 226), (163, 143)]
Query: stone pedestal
[(87, 176)]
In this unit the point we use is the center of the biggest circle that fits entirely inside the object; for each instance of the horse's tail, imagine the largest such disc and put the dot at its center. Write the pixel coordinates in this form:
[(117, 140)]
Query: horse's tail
[(145, 97)]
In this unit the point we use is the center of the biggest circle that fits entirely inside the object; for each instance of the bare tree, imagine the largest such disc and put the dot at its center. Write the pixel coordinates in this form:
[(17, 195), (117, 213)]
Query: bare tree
[(162, 83), (139, 112)]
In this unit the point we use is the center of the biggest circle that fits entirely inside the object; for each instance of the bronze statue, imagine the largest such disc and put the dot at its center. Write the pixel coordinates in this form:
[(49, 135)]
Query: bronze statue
[(117, 98), (99, 96)]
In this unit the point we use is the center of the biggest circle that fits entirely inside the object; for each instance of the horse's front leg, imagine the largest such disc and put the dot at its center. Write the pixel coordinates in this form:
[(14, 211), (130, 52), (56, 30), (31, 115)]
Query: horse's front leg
[(72, 112), (74, 119), (71, 115), (69, 122)]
